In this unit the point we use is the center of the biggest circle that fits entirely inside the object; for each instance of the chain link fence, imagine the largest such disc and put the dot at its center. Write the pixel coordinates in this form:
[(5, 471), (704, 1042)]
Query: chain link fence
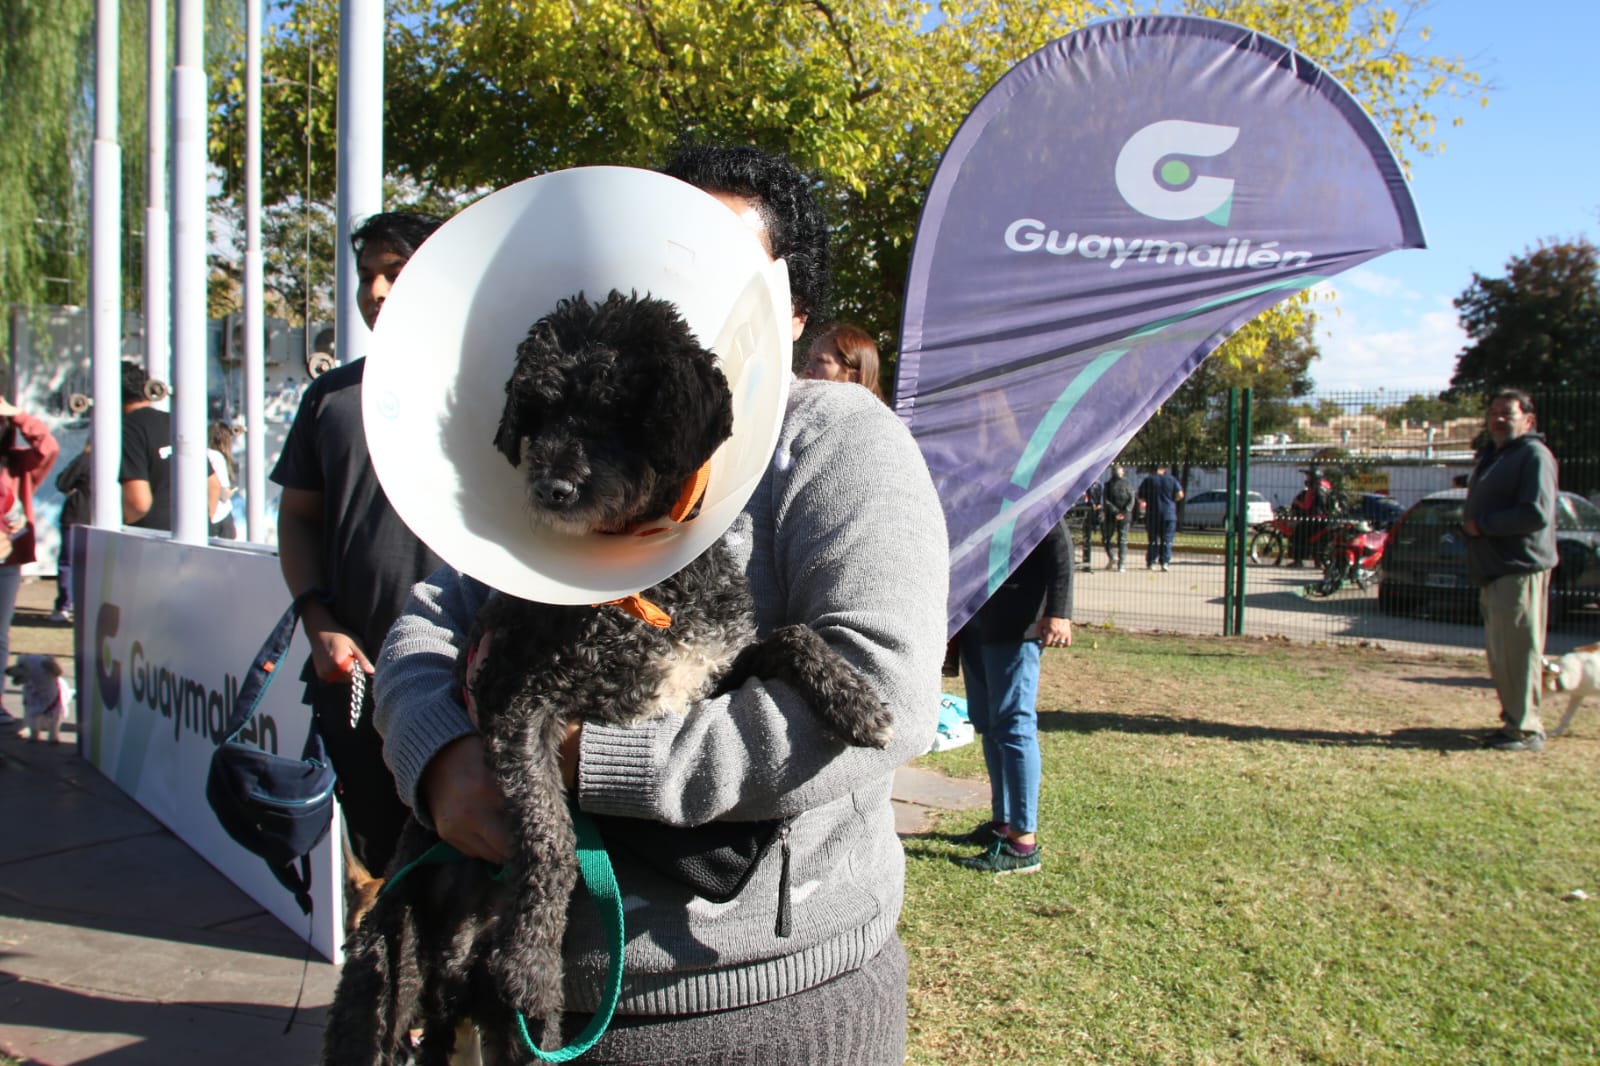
[(1381, 455)]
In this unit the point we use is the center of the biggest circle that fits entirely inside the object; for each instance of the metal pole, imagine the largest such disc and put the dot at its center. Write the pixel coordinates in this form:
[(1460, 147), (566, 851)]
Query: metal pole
[(157, 256), (105, 275), (189, 466), (254, 289), (360, 155), (1231, 515), (1244, 493)]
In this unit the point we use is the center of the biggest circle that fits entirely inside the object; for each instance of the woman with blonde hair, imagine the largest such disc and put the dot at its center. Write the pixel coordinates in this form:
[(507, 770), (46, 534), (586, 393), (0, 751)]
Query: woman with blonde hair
[(843, 352)]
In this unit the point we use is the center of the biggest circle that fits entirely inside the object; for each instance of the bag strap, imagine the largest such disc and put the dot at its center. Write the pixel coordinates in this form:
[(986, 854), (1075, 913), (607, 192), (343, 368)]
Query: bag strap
[(264, 666)]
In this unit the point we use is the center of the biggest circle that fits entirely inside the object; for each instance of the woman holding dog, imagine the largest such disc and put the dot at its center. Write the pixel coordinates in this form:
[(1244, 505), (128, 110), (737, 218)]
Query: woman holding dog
[(27, 452), (804, 964)]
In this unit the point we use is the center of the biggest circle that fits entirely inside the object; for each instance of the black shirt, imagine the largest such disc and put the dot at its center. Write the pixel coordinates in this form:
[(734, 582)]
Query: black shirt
[(147, 456), (371, 558)]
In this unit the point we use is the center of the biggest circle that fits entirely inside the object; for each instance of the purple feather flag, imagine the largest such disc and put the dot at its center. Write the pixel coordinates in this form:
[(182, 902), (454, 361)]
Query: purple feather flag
[(1114, 207)]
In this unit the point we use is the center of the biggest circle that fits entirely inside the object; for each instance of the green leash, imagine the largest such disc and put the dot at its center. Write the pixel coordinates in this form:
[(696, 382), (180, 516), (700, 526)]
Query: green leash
[(594, 866)]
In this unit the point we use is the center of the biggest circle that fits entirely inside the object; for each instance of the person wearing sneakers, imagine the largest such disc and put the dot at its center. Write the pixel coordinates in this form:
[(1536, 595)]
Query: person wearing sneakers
[(1117, 517), (1000, 651), (1159, 494), (1510, 522)]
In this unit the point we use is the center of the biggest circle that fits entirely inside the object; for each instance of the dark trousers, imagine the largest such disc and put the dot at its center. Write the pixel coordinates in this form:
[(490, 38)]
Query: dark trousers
[(1112, 530), (373, 812), (1091, 522), (1161, 529)]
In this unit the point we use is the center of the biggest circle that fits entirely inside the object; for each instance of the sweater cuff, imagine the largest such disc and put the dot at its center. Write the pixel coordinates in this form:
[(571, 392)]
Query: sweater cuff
[(616, 773), (411, 744)]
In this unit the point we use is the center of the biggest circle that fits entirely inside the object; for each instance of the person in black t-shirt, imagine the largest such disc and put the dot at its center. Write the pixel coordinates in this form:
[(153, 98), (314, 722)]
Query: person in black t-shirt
[(146, 475), (340, 541)]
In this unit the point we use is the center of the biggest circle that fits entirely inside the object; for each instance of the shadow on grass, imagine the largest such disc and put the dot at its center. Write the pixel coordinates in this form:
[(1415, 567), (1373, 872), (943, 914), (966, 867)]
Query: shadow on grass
[(1441, 740)]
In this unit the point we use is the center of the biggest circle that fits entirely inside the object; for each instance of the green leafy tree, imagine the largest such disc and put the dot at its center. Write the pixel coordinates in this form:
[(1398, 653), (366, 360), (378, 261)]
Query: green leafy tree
[(1435, 410), (1536, 328), (863, 93), (47, 129)]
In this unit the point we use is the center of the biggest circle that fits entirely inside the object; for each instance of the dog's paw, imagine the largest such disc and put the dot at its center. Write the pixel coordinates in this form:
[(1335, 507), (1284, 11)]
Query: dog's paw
[(869, 725)]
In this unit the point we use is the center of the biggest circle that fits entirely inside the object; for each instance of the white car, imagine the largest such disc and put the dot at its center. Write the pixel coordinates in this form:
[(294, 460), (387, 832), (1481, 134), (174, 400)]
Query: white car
[(1206, 510)]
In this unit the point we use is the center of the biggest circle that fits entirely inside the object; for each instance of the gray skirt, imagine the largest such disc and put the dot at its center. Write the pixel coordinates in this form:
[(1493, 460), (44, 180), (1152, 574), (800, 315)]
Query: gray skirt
[(857, 1018)]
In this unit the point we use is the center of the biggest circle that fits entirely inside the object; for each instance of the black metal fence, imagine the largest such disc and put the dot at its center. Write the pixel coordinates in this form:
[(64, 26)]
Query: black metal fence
[(1381, 454)]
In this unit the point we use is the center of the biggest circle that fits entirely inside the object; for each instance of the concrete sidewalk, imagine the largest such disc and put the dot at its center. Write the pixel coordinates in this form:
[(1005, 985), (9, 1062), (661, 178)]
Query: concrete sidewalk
[(121, 947)]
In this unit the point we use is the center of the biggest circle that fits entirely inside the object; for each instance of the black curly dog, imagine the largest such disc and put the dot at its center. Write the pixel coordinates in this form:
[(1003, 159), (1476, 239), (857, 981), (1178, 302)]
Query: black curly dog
[(612, 408)]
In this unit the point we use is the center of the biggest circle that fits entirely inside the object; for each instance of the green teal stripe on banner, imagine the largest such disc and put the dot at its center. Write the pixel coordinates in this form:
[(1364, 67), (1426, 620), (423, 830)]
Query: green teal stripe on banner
[(1045, 432), (1000, 551), (1033, 453)]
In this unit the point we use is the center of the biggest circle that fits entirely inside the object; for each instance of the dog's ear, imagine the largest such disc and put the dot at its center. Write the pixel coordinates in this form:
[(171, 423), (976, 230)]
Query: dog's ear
[(507, 439), (50, 666), (694, 412)]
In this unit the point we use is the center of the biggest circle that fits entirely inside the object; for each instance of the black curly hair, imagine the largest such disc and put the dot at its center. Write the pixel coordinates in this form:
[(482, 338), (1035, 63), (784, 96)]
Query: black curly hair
[(134, 380), (402, 231), (794, 222)]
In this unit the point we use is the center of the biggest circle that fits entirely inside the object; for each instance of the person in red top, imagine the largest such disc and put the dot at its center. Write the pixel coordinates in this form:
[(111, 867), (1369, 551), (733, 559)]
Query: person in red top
[(27, 452), (1308, 512)]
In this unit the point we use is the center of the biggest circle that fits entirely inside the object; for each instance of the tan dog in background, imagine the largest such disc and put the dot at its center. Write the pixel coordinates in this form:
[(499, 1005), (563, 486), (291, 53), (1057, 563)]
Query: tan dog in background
[(1576, 673)]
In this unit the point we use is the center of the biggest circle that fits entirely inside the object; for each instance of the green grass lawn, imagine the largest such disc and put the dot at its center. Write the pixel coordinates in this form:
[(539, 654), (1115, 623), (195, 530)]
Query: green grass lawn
[(1267, 853)]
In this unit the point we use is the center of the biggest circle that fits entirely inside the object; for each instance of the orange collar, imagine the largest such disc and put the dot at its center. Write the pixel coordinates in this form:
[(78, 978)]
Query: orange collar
[(690, 494), (642, 609), (689, 497)]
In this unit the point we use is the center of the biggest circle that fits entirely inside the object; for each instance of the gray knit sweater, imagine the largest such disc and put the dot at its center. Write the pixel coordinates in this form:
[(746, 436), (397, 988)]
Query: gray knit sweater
[(845, 534)]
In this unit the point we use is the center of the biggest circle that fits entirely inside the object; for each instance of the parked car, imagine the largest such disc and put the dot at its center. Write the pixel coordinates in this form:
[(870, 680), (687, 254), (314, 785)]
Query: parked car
[(1207, 510), (1425, 562), (1380, 511)]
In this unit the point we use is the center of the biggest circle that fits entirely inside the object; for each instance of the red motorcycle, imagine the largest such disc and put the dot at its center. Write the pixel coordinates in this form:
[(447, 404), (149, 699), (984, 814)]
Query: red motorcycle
[(1354, 551), (1271, 541)]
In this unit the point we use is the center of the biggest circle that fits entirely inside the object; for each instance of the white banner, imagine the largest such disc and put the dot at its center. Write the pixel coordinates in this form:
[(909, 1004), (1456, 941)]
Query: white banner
[(166, 634)]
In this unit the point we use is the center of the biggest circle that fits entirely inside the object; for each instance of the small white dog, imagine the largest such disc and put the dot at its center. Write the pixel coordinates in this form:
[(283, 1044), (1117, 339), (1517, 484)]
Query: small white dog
[(1576, 673), (45, 694)]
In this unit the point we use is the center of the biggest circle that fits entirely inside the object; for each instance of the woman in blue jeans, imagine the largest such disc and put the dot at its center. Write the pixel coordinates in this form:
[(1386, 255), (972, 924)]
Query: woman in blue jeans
[(1000, 649)]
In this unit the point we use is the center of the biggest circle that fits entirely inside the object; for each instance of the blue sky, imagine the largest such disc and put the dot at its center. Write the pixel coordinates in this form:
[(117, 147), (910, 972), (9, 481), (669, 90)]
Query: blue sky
[(1522, 169)]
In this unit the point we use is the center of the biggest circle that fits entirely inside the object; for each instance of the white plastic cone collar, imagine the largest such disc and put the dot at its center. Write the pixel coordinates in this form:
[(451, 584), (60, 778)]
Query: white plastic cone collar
[(434, 383)]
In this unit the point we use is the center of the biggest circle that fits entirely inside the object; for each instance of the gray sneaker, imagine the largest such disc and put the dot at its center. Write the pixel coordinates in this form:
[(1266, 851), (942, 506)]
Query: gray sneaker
[(1002, 858), (1506, 740)]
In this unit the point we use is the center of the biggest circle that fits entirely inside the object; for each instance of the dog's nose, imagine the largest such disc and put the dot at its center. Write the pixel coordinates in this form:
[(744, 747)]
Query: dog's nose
[(555, 492)]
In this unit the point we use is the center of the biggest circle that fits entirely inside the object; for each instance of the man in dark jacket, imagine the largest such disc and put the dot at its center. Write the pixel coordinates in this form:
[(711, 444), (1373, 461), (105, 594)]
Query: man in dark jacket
[(1509, 520), (1000, 650), (1093, 502), (73, 483), (1117, 516)]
